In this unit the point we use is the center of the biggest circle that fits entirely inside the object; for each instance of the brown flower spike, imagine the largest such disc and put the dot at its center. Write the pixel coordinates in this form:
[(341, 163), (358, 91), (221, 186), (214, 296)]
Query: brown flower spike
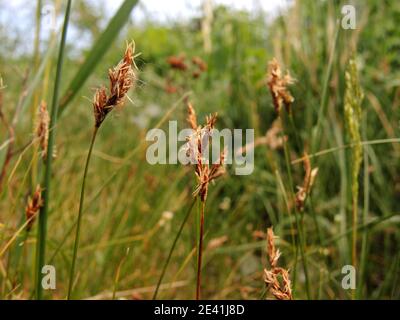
[(305, 189), (278, 87), (122, 78), (196, 146), (34, 204), (277, 279)]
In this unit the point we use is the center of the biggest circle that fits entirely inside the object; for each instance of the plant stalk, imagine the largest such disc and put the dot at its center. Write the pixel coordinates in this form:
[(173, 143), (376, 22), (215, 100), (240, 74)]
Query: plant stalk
[(200, 252), (78, 225), (173, 248), (42, 223), (296, 213)]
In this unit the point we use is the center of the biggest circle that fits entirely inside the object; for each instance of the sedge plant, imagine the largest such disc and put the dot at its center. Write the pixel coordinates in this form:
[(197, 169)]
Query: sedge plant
[(122, 78), (196, 149)]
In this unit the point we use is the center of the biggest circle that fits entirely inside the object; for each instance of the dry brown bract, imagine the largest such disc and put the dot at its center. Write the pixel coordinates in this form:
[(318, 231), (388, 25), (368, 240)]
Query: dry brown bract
[(33, 206), (196, 146), (122, 78), (277, 279), (305, 189), (278, 86), (42, 129)]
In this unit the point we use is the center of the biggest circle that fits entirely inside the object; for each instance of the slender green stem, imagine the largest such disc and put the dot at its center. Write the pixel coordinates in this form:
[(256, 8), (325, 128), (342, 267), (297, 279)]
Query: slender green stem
[(200, 252), (78, 224), (364, 242), (173, 248), (296, 213), (42, 223), (316, 131), (354, 219)]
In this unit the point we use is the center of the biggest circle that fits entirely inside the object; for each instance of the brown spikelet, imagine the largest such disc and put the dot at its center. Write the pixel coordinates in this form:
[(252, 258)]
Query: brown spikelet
[(177, 62), (34, 204), (309, 178), (273, 253), (122, 77), (199, 63), (276, 278), (42, 129), (191, 118), (196, 146), (278, 86)]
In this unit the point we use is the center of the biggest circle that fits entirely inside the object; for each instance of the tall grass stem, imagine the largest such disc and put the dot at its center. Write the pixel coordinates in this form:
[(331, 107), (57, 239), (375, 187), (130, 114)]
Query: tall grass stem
[(200, 252), (42, 223), (189, 210), (78, 224)]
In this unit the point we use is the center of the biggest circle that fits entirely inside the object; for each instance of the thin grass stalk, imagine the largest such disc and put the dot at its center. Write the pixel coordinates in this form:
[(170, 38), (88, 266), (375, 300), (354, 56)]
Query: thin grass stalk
[(78, 225), (200, 251), (118, 273), (364, 241), (42, 223), (324, 97), (296, 213), (122, 78), (185, 219)]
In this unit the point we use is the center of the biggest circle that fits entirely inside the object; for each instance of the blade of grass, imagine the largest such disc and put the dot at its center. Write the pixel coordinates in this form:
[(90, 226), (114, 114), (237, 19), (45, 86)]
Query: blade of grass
[(299, 225), (324, 100), (42, 223), (364, 243)]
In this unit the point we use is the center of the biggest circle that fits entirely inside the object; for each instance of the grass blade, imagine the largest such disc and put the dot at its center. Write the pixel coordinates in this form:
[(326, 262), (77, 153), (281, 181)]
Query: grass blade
[(42, 223)]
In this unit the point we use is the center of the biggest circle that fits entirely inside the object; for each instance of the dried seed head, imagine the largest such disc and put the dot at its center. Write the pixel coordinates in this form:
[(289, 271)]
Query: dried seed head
[(273, 253), (122, 78), (42, 128), (170, 88), (199, 63), (100, 108), (177, 62), (217, 242), (196, 147), (33, 206), (280, 287), (309, 178), (278, 86), (191, 118), (277, 279)]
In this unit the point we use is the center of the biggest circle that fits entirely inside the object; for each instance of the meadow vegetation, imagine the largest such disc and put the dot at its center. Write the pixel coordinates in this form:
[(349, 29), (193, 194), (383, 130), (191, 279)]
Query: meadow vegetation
[(324, 104)]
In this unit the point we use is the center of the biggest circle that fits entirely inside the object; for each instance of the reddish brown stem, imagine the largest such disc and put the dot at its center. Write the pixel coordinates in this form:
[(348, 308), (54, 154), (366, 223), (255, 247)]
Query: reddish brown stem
[(200, 253)]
